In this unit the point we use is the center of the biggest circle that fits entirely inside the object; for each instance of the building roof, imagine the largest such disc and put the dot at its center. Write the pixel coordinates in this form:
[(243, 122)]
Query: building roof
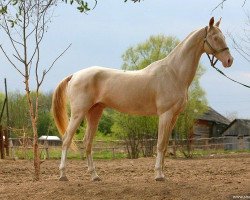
[(238, 127), (50, 137), (214, 116)]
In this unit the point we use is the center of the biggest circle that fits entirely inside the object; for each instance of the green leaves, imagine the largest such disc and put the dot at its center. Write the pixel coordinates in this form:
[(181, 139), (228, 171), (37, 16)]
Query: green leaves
[(143, 54), (133, 1), (14, 2), (83, 6), (12, 17), (3, 9)]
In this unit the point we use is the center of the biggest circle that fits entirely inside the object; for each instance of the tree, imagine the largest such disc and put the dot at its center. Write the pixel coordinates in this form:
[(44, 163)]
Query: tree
[(82, 6), (222, 2), (25, 23), (136, 132), (143, 54), (19, 114), (241, 43), (106, 122)]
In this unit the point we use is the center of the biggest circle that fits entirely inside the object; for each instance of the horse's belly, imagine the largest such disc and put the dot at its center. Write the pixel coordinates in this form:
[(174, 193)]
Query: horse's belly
[(134, 110), (131, 105)]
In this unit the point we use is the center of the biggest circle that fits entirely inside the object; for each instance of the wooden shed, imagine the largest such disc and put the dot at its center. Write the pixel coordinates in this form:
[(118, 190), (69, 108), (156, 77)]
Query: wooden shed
[(210, 124), (238, 128), (51, 140), (237, 135)]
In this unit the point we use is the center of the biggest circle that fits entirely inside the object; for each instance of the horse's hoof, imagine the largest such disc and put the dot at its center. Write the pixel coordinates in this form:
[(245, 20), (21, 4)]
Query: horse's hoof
[(63, 178), (160, 178), (96, 178)]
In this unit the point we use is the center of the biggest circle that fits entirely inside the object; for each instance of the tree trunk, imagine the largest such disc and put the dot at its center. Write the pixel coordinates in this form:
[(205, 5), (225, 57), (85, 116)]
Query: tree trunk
[(34, 116), (36, 154)]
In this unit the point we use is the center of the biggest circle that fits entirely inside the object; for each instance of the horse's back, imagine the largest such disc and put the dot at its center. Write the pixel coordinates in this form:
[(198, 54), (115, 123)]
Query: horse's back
[(126, 91)]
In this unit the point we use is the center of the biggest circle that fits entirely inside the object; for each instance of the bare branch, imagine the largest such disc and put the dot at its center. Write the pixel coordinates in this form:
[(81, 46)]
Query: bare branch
[(239, 48), (47, 6), (18, 58), (46, 71), (7, 30), (37, 45), (221, 4), (10, 61), (244, 3)]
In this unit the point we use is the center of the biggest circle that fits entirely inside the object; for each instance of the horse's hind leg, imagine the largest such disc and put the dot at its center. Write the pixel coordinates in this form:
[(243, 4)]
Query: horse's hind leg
[(93, 116), (75, 120)]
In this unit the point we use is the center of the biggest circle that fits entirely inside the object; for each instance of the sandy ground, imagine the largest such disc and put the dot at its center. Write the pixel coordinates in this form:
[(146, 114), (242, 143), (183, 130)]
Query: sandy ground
[(207, 178)]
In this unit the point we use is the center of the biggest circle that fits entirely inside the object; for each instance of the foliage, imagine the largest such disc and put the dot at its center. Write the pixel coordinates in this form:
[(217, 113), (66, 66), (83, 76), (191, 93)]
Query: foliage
[(82, 6), (106, 122), (2, 98), (19, 115), (143, 54), (135, 130), (80, 132)]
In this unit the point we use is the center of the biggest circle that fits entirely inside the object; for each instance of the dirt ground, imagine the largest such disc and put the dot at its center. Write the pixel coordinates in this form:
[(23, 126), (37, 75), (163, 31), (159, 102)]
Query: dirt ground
[(206, 178)]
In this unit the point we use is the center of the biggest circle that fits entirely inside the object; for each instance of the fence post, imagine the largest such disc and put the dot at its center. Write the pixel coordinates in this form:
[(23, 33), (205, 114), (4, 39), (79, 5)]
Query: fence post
[(11, 146), (6, 141), (1, 142), (113, 152), (46, 145)]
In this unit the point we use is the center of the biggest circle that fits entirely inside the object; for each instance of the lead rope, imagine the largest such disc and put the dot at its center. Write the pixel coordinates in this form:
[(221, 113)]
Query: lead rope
[(213, 62)]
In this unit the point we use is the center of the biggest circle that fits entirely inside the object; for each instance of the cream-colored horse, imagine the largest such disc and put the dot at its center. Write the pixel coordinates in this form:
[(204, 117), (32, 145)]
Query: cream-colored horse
[(159, 89)]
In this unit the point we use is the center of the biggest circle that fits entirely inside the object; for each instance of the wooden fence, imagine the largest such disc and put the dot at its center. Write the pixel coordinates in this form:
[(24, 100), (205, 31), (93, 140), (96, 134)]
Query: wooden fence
[(118, 146)]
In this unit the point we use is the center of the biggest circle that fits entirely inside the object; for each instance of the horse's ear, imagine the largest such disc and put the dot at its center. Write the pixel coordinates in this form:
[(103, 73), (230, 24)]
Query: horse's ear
[(218, 23), (211, 22)]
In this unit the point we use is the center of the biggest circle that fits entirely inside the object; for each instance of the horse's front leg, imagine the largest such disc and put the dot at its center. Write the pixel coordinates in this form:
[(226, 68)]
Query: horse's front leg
[(166, 123)]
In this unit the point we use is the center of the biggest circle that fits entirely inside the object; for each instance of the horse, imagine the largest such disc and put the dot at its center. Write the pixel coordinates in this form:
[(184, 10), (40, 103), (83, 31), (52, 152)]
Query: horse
[(159, 89)]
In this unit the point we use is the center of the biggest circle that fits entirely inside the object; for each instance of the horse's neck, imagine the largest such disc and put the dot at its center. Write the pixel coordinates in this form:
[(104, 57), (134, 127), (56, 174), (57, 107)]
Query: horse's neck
[(184, 59)]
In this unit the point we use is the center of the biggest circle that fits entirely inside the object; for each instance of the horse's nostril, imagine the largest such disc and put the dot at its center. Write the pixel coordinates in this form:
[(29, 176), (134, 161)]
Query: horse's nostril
[(228, 61)]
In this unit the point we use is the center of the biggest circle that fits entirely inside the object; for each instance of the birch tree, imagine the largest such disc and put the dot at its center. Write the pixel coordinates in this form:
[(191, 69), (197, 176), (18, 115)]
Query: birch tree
[(24, 23)]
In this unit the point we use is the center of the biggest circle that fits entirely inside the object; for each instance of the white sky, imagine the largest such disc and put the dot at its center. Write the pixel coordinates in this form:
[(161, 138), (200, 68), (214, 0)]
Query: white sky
[(102, 36)]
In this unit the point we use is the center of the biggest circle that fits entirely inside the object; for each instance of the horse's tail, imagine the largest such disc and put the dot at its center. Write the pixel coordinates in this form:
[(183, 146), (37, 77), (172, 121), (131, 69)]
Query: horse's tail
[(59, 108)]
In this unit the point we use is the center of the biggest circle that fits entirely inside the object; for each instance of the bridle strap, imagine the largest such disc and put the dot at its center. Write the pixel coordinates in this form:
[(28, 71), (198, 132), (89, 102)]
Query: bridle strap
[(214, 51), (213, 61)]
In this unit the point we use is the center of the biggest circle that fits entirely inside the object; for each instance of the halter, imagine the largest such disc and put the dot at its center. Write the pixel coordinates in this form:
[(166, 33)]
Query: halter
[(213, 62), (214, 51)]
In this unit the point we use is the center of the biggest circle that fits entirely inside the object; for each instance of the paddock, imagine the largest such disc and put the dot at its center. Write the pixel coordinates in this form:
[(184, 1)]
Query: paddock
[(214, 177)]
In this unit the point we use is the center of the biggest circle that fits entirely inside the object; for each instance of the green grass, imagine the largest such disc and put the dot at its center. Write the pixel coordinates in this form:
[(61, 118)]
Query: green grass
[(106, 138), (55, 153)]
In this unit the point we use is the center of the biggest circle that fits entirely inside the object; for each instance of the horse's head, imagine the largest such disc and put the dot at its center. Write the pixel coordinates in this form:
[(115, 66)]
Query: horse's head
[(215, 44)]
